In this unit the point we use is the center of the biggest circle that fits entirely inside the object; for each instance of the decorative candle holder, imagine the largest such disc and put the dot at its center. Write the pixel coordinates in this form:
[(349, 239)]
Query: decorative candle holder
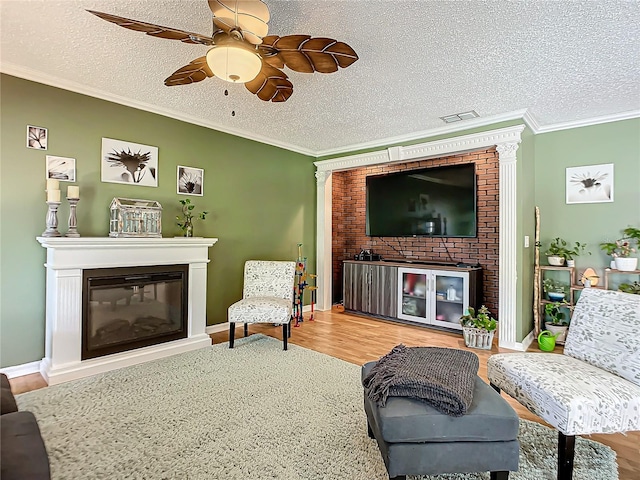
[(52, 220), (73, 221)]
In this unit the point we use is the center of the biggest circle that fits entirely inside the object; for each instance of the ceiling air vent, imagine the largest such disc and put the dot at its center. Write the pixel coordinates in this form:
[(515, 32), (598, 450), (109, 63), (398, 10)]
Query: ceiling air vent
[(456, 117)]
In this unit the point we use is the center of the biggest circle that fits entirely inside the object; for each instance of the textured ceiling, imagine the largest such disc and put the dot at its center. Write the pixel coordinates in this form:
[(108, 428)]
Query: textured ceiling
[(562, 62)]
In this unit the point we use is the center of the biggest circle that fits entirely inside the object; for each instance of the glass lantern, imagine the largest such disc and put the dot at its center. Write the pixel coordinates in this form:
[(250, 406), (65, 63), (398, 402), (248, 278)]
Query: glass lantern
[(130, 217)]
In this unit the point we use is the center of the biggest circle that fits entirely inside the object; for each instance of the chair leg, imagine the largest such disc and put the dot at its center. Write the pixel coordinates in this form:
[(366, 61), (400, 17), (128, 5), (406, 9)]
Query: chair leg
[(496, 388), (232, 334), (246, 329), (566, 446), (285, 334), (500, 475)]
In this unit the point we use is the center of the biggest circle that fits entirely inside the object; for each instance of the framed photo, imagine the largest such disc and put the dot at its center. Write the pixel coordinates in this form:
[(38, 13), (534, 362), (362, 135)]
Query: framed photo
[(61, 168), (37, 137), (590, 184), (190, 180), (128, 162)]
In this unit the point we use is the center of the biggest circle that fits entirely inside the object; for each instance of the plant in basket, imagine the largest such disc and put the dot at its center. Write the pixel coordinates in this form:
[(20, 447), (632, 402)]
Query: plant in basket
[(478, 328)]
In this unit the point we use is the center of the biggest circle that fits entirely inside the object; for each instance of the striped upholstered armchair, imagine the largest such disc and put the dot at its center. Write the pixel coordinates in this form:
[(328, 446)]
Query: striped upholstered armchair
[(594, 386), (267, 297)]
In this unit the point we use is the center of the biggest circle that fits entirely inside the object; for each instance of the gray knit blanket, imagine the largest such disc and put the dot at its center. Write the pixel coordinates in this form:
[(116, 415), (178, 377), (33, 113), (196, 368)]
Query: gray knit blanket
[(442, 377)]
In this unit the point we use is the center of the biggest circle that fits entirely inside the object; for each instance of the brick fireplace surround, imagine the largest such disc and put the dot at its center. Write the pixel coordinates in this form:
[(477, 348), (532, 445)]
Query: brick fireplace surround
[(349, 204), (341, 224)]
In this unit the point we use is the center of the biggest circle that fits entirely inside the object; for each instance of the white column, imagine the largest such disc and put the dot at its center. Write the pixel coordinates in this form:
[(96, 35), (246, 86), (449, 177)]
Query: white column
[(507, 269), (323, 241)]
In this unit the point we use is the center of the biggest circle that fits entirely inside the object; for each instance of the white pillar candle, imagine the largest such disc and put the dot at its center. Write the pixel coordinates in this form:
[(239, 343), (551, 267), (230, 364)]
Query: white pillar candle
[(53, 184), (73, 191), (53, 195)]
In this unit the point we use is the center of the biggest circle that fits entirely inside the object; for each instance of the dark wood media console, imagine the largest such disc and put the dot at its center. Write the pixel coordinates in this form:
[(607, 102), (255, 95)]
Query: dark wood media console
[(431, 294)]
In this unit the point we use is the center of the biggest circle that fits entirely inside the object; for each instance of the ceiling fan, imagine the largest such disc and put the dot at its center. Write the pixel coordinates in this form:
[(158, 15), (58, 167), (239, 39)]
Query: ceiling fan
[(242, 52)]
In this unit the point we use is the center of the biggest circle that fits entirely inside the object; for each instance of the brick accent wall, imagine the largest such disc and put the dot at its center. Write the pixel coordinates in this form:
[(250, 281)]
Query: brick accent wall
[(348, 223)]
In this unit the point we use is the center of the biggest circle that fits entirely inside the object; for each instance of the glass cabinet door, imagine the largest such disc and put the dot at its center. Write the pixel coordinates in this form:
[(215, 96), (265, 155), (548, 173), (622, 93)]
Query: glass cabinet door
[(451, 298), (412, 295)]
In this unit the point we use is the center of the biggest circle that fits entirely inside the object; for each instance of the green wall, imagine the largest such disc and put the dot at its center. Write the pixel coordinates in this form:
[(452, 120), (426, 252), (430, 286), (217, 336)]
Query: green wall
[(245, 183), (591, 223), (261, 198)]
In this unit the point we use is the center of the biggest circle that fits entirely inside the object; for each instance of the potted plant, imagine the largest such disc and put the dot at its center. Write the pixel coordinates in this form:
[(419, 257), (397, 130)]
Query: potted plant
[(559, 251), (622, 248), (557, 323), (186, 221), (630, 287), (554, 289), (478, 330)]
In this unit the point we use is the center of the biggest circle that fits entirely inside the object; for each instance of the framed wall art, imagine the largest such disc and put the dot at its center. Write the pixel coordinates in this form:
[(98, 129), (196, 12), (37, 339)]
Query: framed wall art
[(590, 184), (129, 162), (37, 137), (190, 180), (61, 168)]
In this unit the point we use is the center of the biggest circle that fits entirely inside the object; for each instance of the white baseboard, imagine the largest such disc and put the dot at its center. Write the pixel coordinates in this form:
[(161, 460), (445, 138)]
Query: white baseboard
[(218, 327), (519, 346), (20, 370)]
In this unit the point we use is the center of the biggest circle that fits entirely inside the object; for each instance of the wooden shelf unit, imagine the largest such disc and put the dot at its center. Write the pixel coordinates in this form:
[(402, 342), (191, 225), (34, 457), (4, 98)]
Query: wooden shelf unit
[(612, 271)]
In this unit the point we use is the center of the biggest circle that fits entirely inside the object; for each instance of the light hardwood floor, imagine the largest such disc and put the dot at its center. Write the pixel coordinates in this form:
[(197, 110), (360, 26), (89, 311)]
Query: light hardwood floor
[(358, 339)]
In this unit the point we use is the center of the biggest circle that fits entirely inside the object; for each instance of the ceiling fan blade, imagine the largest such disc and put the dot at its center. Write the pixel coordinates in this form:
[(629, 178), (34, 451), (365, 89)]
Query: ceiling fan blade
[(249, 16), (196, 71), (271, 85), (155, 30), (305, 54)]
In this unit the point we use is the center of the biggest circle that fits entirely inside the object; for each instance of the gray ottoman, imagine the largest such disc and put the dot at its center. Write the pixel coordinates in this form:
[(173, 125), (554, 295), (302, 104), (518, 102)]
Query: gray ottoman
[(416, 439)]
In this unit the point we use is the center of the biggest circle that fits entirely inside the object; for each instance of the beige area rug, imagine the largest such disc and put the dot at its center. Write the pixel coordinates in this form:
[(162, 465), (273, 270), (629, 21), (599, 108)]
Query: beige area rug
[(252, 412)]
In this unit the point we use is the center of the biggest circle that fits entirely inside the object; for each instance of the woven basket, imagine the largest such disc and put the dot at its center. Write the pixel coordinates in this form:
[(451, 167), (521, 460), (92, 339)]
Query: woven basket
[(477, 338)]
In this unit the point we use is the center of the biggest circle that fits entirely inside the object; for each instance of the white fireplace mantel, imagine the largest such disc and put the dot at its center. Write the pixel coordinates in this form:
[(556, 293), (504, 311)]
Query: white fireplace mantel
[(68, 257)]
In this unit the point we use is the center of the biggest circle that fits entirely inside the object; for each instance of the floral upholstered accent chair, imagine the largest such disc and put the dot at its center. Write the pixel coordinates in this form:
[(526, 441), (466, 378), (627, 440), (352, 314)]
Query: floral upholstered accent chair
[(267, 297), (594, 386)]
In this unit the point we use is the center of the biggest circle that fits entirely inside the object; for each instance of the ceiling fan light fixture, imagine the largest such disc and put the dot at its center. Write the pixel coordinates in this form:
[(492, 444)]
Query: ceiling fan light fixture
[(234, 63)]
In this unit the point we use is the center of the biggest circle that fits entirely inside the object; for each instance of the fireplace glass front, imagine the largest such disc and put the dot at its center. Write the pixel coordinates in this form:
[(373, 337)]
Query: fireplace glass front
[(132, 307)]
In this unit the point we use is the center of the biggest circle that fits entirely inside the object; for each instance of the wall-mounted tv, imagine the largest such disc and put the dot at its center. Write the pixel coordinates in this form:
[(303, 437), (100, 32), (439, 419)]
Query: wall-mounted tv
[(435, 202)]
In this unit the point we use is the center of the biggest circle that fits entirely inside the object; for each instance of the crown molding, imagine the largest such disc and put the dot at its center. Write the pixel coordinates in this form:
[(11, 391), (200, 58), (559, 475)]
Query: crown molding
[(629, 115), (34, 76), (423, 134), (525, 115), (420, 151)]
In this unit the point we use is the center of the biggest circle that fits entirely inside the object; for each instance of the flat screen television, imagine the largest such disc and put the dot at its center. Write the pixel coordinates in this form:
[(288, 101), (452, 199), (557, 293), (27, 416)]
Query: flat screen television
[(435, 202)]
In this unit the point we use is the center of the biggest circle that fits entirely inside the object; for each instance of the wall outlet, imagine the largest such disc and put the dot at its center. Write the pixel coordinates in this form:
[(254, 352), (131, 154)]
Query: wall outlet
[(526, 241)]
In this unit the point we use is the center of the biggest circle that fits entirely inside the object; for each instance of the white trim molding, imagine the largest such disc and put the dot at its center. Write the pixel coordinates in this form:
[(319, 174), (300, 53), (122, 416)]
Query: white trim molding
[(21, 370), (506, 140)]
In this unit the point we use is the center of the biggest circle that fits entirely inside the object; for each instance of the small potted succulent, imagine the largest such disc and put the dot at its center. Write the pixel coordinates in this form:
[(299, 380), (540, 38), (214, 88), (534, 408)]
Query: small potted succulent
[(622, 249), (557, 323), (478, 329)]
